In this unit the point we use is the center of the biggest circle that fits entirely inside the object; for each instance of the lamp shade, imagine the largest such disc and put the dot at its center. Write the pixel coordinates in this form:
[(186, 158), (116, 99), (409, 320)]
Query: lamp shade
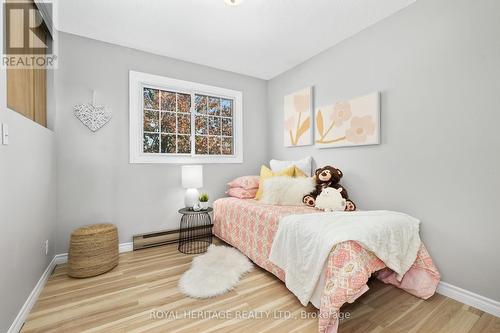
[(192, 176)]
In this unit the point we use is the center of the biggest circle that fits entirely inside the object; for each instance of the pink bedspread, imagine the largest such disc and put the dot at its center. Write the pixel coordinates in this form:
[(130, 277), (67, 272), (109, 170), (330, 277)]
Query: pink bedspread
[(250, 226)]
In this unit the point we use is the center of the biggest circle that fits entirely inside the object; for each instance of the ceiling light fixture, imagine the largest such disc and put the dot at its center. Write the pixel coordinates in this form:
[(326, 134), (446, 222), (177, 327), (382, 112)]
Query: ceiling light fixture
[(232, 2)]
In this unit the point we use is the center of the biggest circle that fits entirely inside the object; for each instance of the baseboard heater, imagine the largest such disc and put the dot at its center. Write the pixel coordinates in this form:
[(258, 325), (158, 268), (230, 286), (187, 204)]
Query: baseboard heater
[(152, 239)]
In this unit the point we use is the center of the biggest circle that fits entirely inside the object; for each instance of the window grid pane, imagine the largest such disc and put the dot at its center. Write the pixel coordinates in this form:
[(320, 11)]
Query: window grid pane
[(151, 99), (168, 101), (201, 104), (168, 124), (151, 143), (168, 143)]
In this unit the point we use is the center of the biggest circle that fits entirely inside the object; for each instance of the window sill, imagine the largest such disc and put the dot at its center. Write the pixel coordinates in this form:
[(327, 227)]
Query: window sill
[(185, 160)]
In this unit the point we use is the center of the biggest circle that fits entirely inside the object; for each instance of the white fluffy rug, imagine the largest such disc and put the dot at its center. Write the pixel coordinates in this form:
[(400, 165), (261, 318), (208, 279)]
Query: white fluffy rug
[(215, 272)]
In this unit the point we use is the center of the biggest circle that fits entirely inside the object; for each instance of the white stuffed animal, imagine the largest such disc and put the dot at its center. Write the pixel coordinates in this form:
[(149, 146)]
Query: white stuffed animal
[(331, 200)]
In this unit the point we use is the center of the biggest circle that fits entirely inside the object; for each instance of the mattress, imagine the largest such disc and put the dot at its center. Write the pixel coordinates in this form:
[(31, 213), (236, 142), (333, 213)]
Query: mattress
[(250, 226)]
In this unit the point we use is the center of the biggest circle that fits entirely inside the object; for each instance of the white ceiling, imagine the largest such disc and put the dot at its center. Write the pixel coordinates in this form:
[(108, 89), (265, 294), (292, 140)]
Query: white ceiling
[(260, 38)]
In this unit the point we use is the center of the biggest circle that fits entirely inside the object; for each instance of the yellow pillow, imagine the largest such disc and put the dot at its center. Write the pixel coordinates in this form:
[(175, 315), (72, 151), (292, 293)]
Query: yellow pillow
[(299, 173), (265, 173)]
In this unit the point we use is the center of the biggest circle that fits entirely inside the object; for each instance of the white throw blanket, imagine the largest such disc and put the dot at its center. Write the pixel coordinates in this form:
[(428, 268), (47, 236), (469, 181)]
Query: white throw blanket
[(303, 242)]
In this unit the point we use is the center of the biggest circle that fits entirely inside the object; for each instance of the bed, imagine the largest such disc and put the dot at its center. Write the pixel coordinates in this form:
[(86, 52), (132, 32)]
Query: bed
[(250, 226)]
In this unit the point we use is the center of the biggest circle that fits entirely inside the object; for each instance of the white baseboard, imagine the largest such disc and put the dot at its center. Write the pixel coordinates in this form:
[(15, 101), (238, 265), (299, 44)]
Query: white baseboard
[(32, 298), (126, 247), (467, 297), (62, 258), (58, 259)]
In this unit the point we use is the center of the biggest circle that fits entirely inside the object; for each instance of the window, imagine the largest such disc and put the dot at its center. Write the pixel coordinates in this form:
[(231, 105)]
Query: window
[(174, 121)]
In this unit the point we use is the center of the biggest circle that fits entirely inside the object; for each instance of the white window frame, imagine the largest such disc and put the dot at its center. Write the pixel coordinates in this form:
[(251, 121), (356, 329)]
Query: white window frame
[(138, 80)]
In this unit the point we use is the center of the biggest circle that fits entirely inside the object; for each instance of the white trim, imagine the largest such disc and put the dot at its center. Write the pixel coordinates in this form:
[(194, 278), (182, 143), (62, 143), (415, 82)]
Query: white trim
[(126, 247), (17, 324), (62, 258), (468, 297), (138, 80)]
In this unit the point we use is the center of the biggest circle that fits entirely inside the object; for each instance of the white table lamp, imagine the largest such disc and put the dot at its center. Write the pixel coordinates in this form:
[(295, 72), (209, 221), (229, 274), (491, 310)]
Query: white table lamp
[(192, 180)]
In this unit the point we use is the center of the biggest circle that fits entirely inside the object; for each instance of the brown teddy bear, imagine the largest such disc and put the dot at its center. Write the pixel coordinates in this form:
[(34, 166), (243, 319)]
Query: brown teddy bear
[(328, 176), (310, 199)]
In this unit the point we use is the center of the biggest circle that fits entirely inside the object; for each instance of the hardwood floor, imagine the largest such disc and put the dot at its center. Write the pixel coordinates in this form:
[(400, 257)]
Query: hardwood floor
[(141, 295)]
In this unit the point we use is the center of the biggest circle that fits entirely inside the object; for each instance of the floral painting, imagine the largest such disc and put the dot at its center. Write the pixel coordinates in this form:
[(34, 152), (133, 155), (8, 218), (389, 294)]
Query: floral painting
[(298, 118), (352, 123)]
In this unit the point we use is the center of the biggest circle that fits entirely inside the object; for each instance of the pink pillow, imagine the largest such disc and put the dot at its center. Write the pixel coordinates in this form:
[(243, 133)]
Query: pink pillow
[(245, 182), (241, 193)]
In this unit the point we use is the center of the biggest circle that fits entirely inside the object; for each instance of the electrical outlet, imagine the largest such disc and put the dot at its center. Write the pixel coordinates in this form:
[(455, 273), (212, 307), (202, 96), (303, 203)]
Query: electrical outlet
[(46, 247), (5, 134)]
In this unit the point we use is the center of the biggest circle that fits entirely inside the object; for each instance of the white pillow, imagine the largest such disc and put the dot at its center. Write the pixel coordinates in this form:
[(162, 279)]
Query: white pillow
[(304, 164), (286, 191)]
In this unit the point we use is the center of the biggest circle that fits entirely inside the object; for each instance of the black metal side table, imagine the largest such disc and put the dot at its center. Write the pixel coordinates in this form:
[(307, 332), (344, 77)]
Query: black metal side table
[(195, 230)]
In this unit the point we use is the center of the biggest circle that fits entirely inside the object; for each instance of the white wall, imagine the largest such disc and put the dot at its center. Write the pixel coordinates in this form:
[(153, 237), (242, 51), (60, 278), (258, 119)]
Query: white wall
[(95, 181), (437, 64), (27, 206)]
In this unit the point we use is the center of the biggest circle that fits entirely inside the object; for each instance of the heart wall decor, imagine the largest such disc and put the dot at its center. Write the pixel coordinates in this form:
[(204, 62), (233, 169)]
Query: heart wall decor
[(92, 116)]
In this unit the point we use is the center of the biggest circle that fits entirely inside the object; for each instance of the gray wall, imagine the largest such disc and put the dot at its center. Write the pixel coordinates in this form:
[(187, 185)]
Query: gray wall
[(437, 64), (95, 181), (27, 210), (27, 206)]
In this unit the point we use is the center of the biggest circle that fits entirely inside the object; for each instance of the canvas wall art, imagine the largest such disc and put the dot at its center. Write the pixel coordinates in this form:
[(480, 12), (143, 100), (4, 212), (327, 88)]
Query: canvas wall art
[(298, 111), (352, 123)]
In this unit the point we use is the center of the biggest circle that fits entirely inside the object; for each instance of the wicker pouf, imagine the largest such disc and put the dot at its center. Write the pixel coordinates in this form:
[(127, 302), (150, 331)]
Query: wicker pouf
[(93, 250)]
